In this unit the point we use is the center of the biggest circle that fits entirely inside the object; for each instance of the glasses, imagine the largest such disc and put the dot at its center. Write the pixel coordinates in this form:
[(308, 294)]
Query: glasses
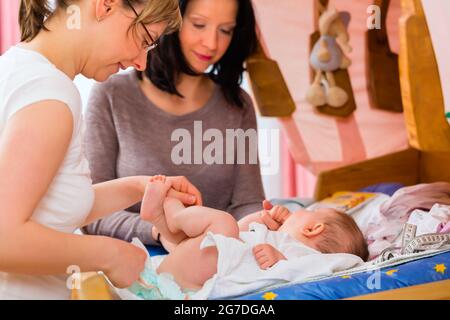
[(148, 47)]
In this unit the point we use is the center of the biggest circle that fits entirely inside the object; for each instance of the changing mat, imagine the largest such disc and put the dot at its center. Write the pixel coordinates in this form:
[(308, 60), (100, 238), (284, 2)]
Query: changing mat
[(404, 272), (238, 272), (408, 270)]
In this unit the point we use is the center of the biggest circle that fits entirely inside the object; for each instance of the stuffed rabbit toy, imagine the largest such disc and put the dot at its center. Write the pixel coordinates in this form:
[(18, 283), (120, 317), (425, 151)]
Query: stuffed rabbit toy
[(328, 55)]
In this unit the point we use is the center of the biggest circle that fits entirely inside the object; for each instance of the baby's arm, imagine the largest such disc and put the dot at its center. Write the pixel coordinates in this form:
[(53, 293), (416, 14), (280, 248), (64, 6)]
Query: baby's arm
[(272, 216), (279, 214), (266, 255), (262, 217), (253, 217)]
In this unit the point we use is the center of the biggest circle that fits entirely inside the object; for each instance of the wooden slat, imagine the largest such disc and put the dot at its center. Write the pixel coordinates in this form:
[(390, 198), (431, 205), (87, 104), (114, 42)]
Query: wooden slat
[(382, 71), (439, 290), (94, 286), (434, 166), (269, 87), (422, 96), (402, 167)]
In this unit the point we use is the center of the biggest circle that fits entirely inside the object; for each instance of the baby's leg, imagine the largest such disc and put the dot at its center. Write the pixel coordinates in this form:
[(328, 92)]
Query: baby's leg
[(181, 222), (189, 265), (155, 193), (152, 207), (197, 220)]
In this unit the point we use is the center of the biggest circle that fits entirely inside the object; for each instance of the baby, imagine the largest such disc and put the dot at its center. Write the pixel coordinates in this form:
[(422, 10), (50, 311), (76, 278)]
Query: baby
[(325, 230)]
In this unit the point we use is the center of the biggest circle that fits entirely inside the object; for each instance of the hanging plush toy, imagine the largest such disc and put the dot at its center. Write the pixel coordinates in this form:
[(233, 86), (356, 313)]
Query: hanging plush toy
[(328, 55)]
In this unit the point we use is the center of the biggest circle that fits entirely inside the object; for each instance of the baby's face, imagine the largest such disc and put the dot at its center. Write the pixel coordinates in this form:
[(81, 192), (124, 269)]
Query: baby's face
[(301, 220)]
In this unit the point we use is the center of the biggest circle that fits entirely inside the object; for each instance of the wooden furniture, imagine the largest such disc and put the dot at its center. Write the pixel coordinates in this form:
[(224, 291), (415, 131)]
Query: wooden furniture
[(439, 290), (270, 90), (428, 160), (400, 167), (382, 71), (94, 286), (408, 167), (422, 95)]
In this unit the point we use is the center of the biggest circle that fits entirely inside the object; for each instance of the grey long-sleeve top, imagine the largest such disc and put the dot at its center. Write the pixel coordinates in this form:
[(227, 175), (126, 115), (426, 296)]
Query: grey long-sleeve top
[(127, 135)]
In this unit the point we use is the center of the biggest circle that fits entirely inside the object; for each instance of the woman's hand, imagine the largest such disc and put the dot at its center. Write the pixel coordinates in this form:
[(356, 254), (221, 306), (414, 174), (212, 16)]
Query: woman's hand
[(181, 189), (266, 255), (124, 264), (185, 191)]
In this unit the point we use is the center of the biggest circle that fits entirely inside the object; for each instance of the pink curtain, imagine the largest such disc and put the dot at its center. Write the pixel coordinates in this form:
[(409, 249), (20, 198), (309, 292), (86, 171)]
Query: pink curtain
[(297, 180), (9, 27)]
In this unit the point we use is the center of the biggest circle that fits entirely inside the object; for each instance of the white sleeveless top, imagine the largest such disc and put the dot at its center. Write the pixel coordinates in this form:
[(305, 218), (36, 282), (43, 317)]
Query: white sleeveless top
[(27, 77)]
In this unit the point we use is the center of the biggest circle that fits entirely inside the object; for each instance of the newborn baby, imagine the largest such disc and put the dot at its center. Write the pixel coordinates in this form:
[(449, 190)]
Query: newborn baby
[(291, 235)]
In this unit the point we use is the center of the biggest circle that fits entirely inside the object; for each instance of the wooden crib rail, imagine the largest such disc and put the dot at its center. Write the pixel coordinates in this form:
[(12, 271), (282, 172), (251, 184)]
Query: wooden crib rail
[(401, 167)]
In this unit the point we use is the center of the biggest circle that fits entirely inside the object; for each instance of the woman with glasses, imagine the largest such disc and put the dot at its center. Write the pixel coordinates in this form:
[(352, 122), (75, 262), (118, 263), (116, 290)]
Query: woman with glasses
[(190, 90), (46, 192)]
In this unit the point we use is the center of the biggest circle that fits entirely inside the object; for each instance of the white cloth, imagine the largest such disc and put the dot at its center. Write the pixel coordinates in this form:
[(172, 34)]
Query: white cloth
[(382, 233), (238, 272), (27, 77), (430, 221), (379, 232)]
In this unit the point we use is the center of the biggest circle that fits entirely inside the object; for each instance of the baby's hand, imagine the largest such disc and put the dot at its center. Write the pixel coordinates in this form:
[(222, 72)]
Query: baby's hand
[(266, 255), (279, 214), (270, 223)]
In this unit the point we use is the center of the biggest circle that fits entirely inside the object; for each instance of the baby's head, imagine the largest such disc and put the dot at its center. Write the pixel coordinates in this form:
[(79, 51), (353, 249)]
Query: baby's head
[(328, 231)]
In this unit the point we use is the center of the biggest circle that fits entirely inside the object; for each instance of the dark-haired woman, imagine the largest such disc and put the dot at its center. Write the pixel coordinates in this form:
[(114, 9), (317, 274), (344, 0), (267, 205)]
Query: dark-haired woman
[(45, 188), (189, 94)]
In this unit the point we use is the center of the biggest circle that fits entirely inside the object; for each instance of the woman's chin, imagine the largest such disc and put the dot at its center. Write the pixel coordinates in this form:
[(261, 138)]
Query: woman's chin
[(199, 68), (200, 71), (103, 76)]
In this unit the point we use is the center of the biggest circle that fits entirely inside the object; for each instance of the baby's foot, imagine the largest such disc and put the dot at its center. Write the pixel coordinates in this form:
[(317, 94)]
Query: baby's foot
[(152, 203)]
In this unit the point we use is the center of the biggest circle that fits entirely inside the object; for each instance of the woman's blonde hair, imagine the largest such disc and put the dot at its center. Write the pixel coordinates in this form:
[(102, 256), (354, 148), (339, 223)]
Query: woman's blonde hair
[(33, 13)]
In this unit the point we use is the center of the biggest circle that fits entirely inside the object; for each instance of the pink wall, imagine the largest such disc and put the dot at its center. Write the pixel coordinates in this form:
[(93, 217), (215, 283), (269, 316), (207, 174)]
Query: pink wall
[(9, 28), (437, 13)]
